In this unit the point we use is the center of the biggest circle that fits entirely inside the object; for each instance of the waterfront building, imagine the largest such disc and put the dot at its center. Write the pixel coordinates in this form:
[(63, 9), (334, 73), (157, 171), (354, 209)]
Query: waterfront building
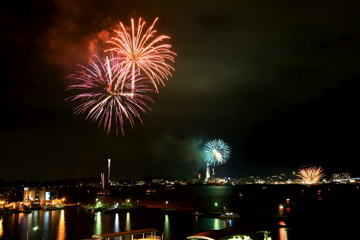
[(39, 195), (338, 176)]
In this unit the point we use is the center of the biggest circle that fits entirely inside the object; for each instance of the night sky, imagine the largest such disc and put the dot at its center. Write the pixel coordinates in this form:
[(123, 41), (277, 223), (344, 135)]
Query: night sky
[(278, 81)]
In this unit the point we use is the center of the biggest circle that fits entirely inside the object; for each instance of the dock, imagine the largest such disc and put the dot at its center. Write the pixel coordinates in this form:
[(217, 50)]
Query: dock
[(148, 234)]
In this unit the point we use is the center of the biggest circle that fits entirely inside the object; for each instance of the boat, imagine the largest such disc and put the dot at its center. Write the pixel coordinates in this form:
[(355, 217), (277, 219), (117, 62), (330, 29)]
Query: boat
[(197, 213), (169, 187), (25, 209), (72, 205), (5, 211), (124, 207), (53, 207), (99, 206), (15, 210), (150, 190), (36, 207), (229, 214)]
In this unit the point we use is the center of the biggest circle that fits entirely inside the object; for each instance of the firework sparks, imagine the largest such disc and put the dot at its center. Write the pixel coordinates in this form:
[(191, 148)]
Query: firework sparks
[(141, 52), (311, 175), (106, 93), (216, 152)]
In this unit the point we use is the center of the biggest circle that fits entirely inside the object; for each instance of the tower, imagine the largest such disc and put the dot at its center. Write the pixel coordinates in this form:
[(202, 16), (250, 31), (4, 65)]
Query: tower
[(109, 162), (207, 171), (102, 180)]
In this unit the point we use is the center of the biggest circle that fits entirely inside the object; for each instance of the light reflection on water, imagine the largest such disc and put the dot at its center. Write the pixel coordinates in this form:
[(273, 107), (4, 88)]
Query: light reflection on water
[(1, 228), (98, 224), (62, 227), (117, 223), (167, 233), (127, 223), (217, 224), (46, 215), (282, 234), (77, 223), (282, 231), (36, 225), (52, 224)]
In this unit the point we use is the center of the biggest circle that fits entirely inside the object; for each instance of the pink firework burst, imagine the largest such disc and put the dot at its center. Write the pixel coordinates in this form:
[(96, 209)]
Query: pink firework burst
[(109, 93)]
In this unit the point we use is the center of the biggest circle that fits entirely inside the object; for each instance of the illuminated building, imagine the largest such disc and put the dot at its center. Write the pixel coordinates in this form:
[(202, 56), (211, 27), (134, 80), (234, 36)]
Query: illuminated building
[(39, 195), (338, 176)]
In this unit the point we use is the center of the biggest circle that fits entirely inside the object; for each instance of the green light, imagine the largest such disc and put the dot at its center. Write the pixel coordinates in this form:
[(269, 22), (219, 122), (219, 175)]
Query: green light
[(216, 204)]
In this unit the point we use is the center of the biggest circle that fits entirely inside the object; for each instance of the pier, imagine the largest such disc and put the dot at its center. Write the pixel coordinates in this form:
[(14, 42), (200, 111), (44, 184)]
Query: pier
[(151, 234)]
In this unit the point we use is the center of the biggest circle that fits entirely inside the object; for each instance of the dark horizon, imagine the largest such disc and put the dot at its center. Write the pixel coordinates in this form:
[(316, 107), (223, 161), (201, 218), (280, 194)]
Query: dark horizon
[(148, 178)]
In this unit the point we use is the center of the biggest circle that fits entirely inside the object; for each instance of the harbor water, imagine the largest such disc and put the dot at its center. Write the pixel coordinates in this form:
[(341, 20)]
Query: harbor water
[(326, 211)]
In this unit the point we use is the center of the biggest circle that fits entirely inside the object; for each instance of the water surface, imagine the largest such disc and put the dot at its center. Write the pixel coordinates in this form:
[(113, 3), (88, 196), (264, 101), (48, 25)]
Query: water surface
[(319, 212)]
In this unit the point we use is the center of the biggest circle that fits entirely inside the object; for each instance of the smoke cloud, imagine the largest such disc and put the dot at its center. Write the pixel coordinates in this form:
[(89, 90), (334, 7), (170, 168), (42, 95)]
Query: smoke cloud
[(179, 158)]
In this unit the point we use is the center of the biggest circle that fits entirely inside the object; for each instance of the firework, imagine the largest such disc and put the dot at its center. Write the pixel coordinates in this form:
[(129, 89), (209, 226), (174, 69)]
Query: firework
[(216, 152), (142, 52), (106, 94), (311, 175)]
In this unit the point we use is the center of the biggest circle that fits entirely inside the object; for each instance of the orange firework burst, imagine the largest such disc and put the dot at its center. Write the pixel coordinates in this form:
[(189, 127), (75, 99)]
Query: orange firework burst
[(311, 175), (141, 52)]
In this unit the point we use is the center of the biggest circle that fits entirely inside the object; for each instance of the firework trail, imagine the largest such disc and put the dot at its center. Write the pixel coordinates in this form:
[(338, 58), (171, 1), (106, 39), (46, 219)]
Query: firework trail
[(216, 152), (106, 93), (142, 52), (311, 175)]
